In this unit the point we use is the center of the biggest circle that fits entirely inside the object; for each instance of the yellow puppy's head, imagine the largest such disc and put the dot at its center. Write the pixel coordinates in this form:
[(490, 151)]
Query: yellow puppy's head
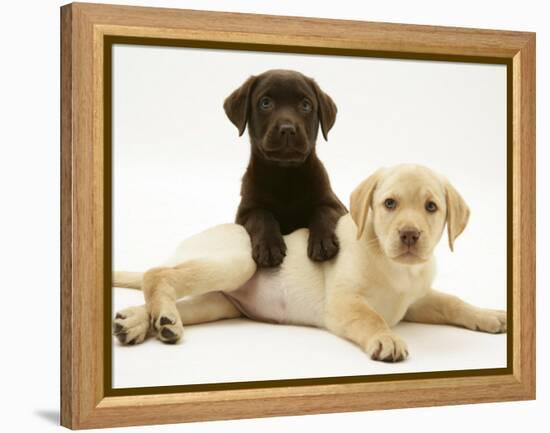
[(408, 206)]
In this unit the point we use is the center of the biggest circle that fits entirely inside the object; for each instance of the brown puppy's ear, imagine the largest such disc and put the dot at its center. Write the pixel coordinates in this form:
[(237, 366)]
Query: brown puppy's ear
[(327, 109), (237, 105), (361, 201), (458, 214)]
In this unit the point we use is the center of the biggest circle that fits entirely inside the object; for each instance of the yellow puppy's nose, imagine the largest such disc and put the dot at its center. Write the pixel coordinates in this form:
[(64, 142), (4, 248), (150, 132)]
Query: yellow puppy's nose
[(409, 235)]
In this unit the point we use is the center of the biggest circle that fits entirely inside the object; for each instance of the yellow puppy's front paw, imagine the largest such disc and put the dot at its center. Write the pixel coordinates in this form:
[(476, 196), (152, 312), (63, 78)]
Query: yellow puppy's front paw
[(168, 327), (166, 321), (387, 347), (131, 325), (485, 320)]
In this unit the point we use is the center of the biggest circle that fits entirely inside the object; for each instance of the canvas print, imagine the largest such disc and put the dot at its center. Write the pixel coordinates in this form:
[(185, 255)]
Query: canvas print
[(294, 216)]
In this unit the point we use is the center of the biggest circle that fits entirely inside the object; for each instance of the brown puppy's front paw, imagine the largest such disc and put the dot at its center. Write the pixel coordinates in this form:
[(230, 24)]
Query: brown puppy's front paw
[(321, 248), (131, 325), (268, 253), (387, 347)]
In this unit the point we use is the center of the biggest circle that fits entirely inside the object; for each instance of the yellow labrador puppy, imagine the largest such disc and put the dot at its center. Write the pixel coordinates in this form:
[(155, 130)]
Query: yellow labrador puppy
[(382, 275)]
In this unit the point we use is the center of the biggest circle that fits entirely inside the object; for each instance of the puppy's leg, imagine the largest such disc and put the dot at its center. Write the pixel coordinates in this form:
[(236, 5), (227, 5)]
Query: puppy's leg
[(323, 243), (440, 308), (268, 245), (163, 286), (350, 317), (133, 325), (207, 307)]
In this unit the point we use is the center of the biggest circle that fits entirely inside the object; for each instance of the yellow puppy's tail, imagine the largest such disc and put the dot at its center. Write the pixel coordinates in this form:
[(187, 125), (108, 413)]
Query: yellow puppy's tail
[(131, 280)]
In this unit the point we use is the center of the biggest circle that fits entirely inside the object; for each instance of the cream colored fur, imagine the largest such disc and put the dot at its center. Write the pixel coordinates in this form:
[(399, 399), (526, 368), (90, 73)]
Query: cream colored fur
[(373, 283)]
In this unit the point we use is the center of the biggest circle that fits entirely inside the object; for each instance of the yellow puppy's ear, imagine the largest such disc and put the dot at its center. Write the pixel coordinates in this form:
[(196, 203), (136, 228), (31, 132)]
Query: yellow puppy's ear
[(458, 214), (361, 200)]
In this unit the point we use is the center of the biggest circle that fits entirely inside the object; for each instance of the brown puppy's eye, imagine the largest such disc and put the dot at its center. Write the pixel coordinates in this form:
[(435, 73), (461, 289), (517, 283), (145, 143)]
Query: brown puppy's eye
[(390, 203), (266, 103), (306, 106), (431, 207)]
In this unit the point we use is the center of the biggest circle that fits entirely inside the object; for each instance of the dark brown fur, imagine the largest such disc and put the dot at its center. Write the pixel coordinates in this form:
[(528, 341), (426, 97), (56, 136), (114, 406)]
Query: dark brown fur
[(285, 186)]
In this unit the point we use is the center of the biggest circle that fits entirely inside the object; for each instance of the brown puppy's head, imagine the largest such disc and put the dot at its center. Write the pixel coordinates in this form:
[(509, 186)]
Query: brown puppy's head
[(410, 205), (283, 110)]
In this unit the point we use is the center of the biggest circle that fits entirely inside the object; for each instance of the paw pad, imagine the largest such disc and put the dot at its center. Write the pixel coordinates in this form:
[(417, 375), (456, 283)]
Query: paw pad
[(166, 333), (165, 321)]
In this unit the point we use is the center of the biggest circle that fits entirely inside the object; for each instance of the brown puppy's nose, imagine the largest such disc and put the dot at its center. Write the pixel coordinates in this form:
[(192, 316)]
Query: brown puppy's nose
[(287, 129), (409, 236)]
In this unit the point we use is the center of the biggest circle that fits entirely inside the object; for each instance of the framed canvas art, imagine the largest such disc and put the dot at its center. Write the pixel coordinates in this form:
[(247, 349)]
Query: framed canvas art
[(253, 207)]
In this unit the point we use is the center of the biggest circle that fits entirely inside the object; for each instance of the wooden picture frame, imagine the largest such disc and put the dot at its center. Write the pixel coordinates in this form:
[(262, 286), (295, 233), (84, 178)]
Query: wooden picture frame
[(87, 34)]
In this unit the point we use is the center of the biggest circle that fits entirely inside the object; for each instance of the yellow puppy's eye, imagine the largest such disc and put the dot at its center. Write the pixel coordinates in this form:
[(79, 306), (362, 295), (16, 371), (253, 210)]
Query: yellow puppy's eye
[(431, 207), (390, 203)]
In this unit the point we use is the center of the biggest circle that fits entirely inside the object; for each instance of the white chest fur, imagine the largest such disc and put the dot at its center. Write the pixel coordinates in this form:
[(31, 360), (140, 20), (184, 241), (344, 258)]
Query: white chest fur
[(404, 286)]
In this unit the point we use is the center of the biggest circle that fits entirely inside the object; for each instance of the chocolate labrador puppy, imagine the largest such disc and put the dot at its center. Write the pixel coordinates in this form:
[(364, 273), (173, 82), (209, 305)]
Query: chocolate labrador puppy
[(285, 187)]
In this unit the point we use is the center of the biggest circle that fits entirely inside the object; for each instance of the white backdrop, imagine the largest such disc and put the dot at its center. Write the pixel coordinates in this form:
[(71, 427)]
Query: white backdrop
[(30, 226), (178, 161)]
